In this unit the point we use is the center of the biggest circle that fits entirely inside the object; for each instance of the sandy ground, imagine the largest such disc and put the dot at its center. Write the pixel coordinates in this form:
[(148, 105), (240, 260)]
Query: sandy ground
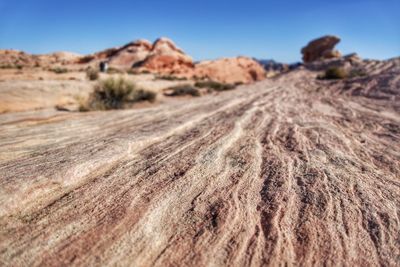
[(275, 173), (34, 89)]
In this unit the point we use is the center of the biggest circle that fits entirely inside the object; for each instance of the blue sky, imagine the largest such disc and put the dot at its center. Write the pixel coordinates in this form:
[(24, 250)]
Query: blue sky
[(205, 29)]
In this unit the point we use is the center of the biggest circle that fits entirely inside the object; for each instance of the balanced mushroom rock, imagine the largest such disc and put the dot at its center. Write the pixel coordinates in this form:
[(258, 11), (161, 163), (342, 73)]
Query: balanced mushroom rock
[(321, 48)]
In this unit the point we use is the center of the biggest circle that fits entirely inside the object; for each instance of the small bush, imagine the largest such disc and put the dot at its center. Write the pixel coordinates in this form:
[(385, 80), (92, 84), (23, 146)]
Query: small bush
[(59, 70), (144, 95), (181, 90), (92, 74), (216, 86), (9, 66), (170, 78), (238, 83), (357, 73), (114, 94), (132, 72), (334, 73), (112, 70)]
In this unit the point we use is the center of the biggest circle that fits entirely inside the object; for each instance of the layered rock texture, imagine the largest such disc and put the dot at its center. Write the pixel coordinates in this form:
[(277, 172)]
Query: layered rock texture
[(321, 48)]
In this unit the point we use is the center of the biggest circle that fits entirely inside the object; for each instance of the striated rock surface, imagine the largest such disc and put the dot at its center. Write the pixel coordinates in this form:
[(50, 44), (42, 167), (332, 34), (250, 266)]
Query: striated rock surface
[(231, 70), (321, 48), (288, 171)]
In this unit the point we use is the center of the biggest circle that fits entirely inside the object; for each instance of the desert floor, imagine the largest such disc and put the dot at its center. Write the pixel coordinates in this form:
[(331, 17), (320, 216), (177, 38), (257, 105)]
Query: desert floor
[(278, 172)]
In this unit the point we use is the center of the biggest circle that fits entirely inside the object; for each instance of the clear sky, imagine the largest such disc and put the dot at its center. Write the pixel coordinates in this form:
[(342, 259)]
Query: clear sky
[(205, 29)]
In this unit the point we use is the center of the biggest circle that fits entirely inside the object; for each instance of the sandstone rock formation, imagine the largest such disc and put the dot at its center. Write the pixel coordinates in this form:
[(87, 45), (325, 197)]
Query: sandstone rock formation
[(321, 48), (162, 57), (166, 58), (231, 70)]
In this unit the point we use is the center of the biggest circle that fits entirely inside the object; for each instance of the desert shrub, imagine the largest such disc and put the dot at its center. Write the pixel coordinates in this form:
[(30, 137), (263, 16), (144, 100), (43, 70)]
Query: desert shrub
[(357, 73), (170, 78), (216, 86), (334, 73), (114, 93), (132, 72), (238, 83), (10, 66), (144, 95), (59, 70), (92, 74), (6, 66), (181, 90)]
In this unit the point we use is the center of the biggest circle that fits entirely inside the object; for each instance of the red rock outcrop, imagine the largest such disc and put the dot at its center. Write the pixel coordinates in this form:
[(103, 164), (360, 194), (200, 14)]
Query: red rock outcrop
[(166, 58), (321, 48), (231, 70)]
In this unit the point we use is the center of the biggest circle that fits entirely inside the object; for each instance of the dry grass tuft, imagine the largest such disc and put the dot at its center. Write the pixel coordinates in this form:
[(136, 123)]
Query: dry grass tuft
[(92, 74), (216, 86)]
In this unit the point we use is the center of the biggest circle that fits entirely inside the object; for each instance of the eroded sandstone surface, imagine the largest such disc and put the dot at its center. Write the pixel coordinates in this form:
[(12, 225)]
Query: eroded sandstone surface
[(287, 171)]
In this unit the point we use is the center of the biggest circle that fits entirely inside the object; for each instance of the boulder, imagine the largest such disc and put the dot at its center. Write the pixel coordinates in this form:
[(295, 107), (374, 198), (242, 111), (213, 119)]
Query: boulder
[(321, 48)]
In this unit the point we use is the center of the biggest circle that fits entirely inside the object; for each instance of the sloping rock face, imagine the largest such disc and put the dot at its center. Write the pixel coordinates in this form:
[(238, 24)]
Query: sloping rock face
[(283, 172), (321, 48), (231, 70), (130, 54), (121, 57)]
